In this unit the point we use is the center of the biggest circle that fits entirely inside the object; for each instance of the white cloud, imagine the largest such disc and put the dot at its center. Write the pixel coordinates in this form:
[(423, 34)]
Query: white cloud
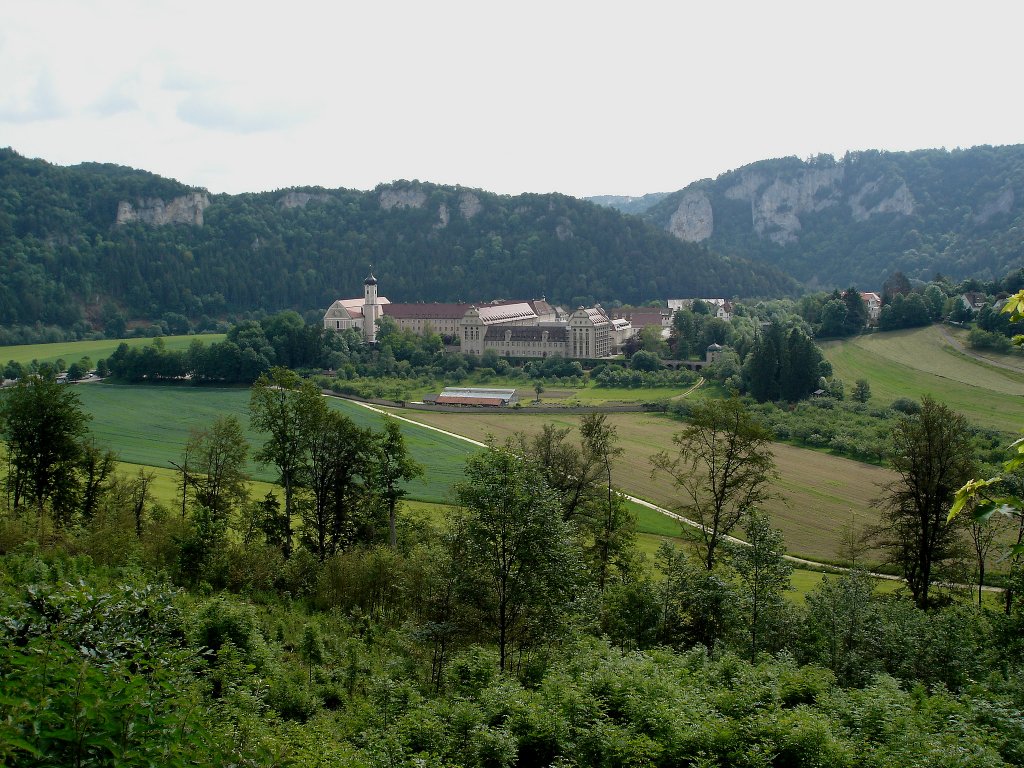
[(31, 98), (581, 97), (238, 111)]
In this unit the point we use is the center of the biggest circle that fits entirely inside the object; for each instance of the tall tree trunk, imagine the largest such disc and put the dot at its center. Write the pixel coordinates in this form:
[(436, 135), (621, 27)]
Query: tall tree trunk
[(392, 523)]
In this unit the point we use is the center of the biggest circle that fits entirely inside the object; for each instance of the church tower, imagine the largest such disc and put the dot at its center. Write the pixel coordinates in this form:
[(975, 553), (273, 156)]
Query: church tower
[(371, 308)]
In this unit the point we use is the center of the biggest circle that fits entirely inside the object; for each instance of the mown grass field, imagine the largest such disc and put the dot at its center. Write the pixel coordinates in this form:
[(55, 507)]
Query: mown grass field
[(819, 494), (1014, 359), (919, 362), (73, 351), (149, 425)]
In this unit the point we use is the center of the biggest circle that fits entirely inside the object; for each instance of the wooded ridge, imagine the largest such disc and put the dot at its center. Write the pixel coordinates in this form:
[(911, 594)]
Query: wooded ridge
[(80, 245), (832, 222)]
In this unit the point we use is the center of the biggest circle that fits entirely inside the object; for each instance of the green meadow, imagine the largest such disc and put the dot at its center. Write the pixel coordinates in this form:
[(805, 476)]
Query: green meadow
[(150, 425), (72, 351), (919, 362)]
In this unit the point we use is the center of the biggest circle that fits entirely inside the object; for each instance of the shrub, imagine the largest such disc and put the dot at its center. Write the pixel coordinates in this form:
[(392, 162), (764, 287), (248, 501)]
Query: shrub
[(221, 622), (906, 405), (982, 339)]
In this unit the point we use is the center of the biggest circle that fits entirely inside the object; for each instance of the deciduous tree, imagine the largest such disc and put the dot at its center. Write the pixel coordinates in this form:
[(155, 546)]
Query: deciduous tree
[(861, 391), (612, 526), (218, 454), (934, 456), (524, 569), (392, 468), (44, 428), (723, 466), (763, 575), (281, 403)]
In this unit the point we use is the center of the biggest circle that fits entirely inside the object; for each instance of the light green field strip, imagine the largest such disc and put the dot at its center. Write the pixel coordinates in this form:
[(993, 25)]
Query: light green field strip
[(72, 351), (926, 350), (150, 425), (164, 488), (919, 362)]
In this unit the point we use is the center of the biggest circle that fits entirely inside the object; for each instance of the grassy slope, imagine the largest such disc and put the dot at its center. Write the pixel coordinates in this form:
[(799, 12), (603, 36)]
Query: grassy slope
[(164, 488), (917, 362), (72, 351)]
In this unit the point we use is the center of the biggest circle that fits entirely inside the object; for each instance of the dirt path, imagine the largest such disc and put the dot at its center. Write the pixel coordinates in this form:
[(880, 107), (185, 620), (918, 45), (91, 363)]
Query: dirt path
[(974, 355), (700, 383)]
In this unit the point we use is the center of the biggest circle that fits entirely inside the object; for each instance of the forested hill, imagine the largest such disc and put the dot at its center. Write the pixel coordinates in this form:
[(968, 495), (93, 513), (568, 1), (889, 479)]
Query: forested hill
[(83, 243), (833, 223)]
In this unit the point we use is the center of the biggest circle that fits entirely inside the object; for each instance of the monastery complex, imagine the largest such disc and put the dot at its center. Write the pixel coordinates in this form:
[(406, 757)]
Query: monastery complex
[(512, 328)]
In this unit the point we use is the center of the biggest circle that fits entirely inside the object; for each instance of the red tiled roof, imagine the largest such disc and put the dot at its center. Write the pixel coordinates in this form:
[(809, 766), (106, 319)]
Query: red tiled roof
[(426, 311), (640, 319), (452, 400)]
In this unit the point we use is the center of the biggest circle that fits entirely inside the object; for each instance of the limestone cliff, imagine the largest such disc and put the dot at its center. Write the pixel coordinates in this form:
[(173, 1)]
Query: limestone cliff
[(694, 219), (296, 199), (779, 202), (469, 205), (187, 209), (402, 198), (831, 221)]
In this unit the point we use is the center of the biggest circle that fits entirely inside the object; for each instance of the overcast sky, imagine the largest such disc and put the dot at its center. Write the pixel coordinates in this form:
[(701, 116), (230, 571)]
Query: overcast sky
[(584, 98)]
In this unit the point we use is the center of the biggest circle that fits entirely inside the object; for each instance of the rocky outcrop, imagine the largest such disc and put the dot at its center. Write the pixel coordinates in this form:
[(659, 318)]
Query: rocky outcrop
[(469, 205), (402, 198), (747, 187), (693, 220), (187, 209), (442, 216), (1001, 204), (899, 201), (295, 199), (776, 207), (778, 202)]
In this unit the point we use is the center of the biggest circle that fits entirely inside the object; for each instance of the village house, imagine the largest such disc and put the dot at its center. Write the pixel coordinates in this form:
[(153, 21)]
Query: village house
[(973, 301), (720, 308), (874, 304)]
